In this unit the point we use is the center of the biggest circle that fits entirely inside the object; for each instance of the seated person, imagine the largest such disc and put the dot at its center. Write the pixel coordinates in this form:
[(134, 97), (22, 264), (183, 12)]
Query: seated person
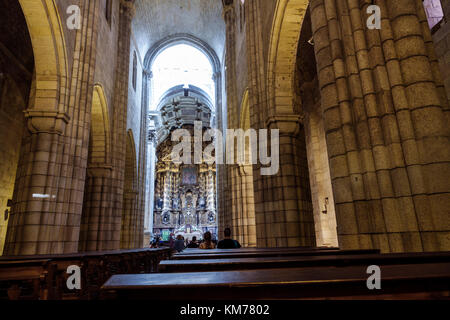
[(193, 244), (207, 242), (179, 244), (228, 243)]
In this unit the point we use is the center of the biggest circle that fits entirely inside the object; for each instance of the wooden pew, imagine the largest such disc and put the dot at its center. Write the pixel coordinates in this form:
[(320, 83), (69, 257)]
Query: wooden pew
[(96, 268), (280, 252), (406, 281), (250, 250), (25, 280), (199, 265)]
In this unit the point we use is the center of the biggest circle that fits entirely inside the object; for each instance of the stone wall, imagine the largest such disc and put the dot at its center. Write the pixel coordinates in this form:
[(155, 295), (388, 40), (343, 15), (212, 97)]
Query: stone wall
[(441, 38), (383, 106), (80, 172), (16, 72)]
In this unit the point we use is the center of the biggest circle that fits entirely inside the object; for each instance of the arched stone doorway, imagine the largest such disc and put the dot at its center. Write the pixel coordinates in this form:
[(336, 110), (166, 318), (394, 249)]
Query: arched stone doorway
[(149, 82), (96, 224), (308, 100), (284, 215)]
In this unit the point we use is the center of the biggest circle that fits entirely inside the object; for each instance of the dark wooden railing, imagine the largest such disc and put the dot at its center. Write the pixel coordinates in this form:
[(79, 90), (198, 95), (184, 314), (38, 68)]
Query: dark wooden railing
[(44, 277)]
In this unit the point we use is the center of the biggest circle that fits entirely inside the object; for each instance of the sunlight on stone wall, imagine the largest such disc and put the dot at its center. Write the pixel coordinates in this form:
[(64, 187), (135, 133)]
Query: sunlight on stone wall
[(11, 128)]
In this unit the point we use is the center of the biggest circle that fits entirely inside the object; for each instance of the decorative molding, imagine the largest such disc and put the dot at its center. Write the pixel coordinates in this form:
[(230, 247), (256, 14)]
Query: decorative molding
[(41, 121)]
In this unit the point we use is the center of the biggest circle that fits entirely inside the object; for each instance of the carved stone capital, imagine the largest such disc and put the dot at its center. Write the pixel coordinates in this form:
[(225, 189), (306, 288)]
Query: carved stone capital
[(289, 124), (40, 121)]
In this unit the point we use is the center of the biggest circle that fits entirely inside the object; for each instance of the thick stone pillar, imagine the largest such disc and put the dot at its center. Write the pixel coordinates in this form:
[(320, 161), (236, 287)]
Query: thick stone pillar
[(283, 208), (33, 227), (288, 215), (96, 221), (384, 124), (103, 210), (48, 196)]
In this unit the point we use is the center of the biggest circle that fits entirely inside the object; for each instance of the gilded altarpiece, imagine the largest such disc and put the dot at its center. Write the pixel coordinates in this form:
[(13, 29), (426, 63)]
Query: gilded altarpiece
[(185, 196)]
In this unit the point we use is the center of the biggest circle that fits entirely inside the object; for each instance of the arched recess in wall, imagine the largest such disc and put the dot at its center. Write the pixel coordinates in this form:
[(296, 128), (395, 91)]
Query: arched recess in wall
[(130, 230), (290, 97), (100, 145), (98, 169), (287, 24), (307, 95), (51, 68), (292, 201), (247, 206)]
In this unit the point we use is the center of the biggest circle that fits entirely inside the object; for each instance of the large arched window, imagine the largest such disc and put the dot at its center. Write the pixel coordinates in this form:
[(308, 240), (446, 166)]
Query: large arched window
[(181, 64)]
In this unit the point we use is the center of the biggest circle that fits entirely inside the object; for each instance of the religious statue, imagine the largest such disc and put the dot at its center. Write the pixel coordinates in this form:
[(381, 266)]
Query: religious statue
[(159, 204), (176, 204), (202, 203), (166, 218)]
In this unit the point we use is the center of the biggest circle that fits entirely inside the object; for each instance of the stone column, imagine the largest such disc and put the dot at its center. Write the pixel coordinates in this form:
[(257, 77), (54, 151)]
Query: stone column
[(104, 218), (248, 206), (32, 226), (283, 209), (48, 196), (384, 124), (96, 220), (229, 214), (287, 203), (129, 235), (236, 203)]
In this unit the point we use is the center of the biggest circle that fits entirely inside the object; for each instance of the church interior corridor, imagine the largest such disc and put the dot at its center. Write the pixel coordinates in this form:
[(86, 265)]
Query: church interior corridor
[(239, 150)]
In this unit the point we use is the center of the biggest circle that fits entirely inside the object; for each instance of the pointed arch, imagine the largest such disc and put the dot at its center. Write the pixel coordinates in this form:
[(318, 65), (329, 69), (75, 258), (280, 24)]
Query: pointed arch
[(100, 145), (245, 111), (49, 47), (286, 28), (130, 164)]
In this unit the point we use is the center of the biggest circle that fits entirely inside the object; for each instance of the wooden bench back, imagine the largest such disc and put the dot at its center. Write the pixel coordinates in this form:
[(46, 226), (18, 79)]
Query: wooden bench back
[(400, 281), (229, 264), (96, 268)]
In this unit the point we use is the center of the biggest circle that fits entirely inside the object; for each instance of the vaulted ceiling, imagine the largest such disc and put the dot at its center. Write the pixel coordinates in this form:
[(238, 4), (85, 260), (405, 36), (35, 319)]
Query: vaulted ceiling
[(159, 19)]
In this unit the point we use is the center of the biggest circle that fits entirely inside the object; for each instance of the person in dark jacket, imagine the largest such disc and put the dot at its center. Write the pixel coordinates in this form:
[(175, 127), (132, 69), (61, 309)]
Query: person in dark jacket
[(228, 243), (193, 244), (179, 244)]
